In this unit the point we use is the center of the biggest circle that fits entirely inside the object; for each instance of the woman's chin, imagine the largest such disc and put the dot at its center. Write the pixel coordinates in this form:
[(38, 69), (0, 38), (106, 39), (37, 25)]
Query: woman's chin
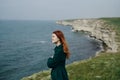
[(53, 42)]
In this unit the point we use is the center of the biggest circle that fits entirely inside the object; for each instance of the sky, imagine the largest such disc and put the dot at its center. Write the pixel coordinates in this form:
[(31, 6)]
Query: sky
[(58, 9)]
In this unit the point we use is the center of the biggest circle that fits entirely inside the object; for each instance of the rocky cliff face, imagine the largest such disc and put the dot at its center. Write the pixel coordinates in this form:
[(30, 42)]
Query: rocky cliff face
[(97, 29)]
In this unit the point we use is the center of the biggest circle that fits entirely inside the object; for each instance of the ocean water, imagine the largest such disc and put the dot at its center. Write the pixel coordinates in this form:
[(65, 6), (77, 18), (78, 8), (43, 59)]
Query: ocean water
[(26, 45)]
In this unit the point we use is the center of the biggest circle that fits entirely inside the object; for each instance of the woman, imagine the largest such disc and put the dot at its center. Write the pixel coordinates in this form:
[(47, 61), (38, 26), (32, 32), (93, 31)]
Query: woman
[(57, 62)]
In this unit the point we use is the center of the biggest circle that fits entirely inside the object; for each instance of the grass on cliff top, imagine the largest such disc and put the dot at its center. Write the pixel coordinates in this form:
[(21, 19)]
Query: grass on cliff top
[(115, 25), (115, 22), (106, 66)]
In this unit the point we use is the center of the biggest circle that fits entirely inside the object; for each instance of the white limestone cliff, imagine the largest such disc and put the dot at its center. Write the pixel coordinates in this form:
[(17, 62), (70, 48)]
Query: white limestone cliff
[(98, 29)]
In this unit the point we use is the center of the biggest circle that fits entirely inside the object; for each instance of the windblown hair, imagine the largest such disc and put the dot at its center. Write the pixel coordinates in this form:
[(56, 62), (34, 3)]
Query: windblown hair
[(60, 35)]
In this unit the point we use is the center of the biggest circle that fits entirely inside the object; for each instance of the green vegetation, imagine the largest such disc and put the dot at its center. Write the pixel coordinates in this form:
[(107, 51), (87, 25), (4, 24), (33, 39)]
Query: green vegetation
[(103, 67), (45, 75), (114, 23), (106, 66)]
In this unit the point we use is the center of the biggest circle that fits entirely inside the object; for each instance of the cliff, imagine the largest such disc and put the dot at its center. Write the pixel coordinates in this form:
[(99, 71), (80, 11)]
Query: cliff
[(98, 29)]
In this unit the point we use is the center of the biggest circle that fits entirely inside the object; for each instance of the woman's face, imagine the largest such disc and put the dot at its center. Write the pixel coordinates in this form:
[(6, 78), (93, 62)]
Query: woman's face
[(55, 39)]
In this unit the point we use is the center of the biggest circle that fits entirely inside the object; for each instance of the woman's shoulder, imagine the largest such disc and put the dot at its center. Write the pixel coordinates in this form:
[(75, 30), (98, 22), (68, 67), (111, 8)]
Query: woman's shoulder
[(59, 48)]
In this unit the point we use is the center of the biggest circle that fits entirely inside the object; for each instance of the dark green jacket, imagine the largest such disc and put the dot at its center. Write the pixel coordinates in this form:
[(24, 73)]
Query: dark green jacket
[(57, 63)]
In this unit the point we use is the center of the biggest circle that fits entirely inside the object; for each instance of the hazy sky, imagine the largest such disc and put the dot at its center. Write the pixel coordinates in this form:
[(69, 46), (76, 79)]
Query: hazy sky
[(58, 9)]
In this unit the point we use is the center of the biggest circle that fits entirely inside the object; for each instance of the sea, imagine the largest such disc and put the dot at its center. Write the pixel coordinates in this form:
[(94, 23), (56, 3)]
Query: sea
[(25, 46)]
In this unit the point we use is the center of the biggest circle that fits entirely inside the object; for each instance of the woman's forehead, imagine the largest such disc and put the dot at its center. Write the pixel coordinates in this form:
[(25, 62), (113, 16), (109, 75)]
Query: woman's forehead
[(53, 34)]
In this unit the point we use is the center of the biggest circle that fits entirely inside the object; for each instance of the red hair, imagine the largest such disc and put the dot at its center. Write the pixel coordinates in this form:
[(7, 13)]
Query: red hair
[(60, 35)]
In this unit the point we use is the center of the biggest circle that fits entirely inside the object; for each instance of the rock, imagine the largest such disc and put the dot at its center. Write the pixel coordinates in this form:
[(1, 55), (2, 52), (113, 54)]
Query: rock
[(98, 29)]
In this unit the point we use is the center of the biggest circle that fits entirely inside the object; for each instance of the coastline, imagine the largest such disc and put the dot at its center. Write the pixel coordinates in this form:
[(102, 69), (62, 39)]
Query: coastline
[(97, 29)]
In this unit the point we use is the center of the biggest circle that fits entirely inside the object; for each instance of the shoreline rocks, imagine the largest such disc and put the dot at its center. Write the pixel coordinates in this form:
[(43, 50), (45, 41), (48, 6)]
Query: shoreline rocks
[(97, 29)]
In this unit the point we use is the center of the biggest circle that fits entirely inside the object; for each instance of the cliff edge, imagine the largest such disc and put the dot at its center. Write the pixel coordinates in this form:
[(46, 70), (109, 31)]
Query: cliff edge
[(98, 29)]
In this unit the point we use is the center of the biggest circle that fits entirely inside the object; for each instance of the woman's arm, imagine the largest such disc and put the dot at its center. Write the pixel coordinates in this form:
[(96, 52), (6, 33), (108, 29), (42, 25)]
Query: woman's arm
[(57, 58)]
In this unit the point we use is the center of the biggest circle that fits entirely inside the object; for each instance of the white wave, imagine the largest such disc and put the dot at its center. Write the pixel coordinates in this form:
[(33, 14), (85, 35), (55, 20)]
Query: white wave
[(38, 42), (42, 42)]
